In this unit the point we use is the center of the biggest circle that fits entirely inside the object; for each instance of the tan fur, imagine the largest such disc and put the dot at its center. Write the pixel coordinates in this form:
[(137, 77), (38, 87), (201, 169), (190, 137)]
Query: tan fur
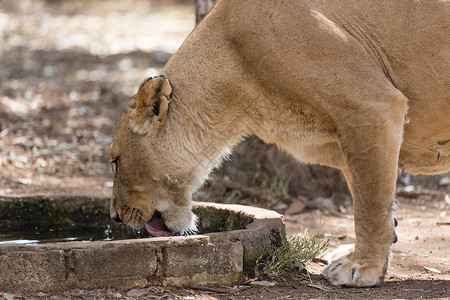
[(358, 85)]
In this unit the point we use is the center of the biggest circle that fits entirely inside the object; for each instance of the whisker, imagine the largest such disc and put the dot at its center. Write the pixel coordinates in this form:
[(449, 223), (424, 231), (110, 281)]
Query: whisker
[(129, 216), (124, 213), (139, 214)]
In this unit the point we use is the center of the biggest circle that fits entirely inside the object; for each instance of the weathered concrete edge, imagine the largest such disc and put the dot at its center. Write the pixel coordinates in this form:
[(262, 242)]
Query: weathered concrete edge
[(62, 266), (263, 234)]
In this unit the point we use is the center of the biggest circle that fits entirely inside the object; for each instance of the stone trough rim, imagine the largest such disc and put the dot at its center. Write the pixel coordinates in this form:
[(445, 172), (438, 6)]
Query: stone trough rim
[(259, 216), (70, 260)]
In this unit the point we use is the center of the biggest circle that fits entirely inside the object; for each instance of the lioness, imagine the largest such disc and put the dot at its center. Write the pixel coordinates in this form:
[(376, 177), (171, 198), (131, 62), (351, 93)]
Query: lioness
[(358, 85)]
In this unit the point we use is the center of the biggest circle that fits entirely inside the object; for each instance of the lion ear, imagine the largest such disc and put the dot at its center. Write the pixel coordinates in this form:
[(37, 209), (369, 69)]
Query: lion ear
[(152, 103)]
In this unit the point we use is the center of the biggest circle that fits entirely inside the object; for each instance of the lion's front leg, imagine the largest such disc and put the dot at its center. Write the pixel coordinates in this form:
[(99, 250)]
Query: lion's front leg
[(371, 157)]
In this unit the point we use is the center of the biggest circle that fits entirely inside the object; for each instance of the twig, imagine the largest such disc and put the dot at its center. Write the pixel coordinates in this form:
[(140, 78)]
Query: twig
[(309, 276), (317, 286), (209, 289), (250, 280), (217, 290)]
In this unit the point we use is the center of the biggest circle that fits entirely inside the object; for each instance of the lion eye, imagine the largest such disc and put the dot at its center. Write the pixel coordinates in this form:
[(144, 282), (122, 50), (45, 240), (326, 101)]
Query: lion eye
[(115, 166)]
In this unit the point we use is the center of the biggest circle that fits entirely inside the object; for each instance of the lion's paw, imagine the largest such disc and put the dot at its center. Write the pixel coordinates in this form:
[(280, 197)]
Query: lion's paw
[(345, 272)]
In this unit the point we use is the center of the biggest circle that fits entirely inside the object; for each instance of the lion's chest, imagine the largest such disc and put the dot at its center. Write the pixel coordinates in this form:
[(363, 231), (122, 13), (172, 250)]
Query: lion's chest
[(425, 156), (426, 144)]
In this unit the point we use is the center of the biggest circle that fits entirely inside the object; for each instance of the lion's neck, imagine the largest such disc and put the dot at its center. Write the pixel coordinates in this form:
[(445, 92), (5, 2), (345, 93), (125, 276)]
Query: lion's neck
[(199, 138), (205, 118)]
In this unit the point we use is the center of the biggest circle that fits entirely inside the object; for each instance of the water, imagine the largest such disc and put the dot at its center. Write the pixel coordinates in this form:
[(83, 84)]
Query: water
[(51, 233), (82, 219)]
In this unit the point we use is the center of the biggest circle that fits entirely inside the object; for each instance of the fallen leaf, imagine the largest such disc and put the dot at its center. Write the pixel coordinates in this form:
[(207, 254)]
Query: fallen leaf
[(296, 207), (137, 292)]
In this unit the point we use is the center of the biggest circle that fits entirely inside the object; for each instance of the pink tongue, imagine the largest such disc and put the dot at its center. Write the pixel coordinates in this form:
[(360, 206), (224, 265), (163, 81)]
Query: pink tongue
[(156, 227)]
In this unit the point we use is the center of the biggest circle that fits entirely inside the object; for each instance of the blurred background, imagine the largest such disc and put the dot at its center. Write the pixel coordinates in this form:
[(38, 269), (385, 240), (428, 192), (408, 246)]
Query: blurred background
[(67, 69)]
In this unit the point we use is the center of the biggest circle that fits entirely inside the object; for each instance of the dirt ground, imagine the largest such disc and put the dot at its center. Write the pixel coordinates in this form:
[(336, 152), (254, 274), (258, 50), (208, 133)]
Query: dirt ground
[(66, 70)]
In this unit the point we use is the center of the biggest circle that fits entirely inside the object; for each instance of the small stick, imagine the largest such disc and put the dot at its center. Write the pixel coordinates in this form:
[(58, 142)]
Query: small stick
[(218, 290), (321, 260), (210, 289)]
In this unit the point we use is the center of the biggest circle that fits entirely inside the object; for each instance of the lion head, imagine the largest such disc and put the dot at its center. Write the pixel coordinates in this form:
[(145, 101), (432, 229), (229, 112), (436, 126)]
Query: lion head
[(151, 188)]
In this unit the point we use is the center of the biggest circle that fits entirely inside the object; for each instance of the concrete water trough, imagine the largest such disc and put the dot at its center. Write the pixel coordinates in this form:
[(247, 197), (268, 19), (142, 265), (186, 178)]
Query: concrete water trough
[(64, 242)]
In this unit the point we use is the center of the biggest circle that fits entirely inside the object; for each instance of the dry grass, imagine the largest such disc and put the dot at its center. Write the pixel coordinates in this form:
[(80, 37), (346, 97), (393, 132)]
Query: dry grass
[(294, 252)]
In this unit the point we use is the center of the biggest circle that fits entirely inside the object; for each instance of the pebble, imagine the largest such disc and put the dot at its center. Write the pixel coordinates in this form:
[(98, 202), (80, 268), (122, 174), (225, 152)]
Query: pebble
[(444, 181), (323, 204)]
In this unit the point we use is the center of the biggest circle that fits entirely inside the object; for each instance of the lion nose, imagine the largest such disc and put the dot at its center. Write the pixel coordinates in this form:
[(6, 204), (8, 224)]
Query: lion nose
[(117, 219)]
